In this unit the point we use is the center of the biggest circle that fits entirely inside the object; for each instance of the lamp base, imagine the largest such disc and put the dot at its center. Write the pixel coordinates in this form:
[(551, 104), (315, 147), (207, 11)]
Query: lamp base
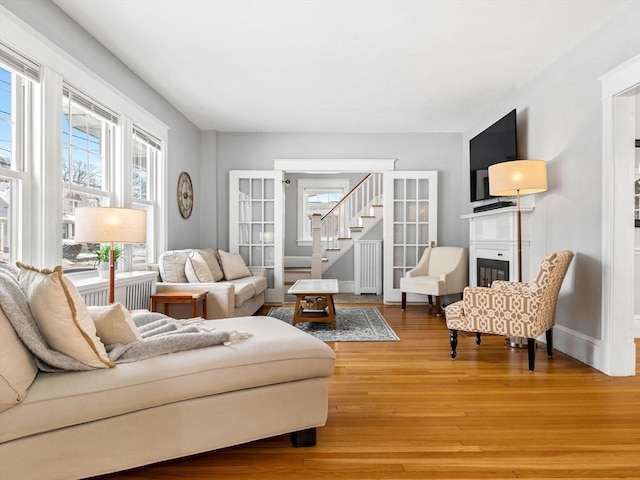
[(517, 342)]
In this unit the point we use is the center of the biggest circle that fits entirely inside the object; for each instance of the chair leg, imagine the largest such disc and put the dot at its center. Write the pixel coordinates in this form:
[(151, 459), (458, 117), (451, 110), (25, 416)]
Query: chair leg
[(478, 338), (430, 297), (531, 347), (549, 335), (404, 300), (453, 340), (438, 306)]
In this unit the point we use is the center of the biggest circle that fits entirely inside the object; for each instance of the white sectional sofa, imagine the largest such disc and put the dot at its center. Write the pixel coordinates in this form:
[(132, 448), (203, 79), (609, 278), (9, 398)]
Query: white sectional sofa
[(77, 424), (233, 290)]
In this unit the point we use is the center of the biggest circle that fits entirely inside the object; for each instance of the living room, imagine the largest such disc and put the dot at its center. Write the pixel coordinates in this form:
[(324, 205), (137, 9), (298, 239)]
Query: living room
[(560, 119)]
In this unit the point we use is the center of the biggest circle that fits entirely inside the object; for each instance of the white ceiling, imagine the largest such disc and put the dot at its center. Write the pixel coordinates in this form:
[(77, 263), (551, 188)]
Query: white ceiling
[(337, 65)]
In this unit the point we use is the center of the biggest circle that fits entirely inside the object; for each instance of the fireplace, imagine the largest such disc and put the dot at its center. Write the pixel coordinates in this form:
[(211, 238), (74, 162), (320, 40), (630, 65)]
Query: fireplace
[(490, 270)]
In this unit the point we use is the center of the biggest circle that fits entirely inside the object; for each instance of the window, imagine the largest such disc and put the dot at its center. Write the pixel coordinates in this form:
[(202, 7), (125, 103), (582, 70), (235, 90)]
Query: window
[(317, 196), (147, 156), (70, 135), (17, 75), (88, 146)]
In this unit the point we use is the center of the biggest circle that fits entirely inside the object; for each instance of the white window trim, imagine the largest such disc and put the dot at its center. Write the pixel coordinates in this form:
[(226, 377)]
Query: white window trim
[(60, 67), (306, 183)]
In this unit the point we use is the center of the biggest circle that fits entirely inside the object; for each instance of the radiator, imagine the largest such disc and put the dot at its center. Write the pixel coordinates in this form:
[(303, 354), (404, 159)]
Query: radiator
[(367, 266), (133, 290)]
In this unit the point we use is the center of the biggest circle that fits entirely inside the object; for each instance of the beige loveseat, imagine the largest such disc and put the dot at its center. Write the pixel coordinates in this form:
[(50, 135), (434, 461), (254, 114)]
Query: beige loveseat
[(116, 416), (233, 290)]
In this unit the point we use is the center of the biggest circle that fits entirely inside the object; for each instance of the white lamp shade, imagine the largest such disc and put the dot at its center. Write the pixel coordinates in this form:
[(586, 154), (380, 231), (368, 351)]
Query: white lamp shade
[(109, 224), (518, 177)]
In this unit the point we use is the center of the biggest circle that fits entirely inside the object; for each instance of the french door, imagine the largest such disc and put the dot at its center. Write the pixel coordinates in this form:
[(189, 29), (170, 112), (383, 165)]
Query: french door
[(410, 224), (256, 224)]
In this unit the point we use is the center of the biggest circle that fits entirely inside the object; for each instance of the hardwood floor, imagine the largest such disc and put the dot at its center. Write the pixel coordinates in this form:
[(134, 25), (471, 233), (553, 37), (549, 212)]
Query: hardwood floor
[(405, 410)]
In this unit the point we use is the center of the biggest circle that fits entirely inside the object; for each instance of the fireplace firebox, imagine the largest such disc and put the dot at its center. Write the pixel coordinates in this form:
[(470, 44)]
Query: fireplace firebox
[(490, 270)]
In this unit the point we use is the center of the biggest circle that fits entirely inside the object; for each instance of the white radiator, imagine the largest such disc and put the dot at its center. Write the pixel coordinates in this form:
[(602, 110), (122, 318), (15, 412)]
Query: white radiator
[(133, 289), (367, 266)]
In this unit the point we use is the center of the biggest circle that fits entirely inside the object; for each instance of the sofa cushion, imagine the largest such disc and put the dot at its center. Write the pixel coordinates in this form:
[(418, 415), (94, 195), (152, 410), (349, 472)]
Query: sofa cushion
[(276, 353), (171, 264), (17, 366), (114, 324), (259, 283), (213, 262), (62, 316), (233, 265), (196, 269), (243, 292)]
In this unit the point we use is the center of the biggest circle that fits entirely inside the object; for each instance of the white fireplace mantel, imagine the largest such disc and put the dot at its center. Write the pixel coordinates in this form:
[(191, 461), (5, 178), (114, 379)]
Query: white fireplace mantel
[(493, 235)]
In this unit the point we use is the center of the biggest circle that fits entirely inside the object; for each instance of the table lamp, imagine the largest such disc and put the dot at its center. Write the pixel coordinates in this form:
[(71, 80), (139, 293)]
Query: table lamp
[(110, 225), (518, 177)]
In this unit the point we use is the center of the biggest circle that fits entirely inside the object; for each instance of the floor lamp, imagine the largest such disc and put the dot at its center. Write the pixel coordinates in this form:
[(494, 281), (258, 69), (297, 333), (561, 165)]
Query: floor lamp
[(518, 177), (110, 225)]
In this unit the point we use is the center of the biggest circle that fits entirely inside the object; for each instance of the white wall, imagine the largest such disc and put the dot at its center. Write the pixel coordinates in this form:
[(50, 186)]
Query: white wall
[(560, 121), (414, 151), (183, 151)]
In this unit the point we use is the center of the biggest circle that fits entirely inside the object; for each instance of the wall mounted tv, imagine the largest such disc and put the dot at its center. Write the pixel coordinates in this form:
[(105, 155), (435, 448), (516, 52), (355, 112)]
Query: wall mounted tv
[(496, 144)]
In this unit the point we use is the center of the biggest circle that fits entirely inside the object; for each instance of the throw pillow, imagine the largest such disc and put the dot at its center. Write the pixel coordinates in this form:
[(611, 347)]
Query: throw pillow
[(196, 269), (213, 262), (233, 265), (114, 324), (17, 366), (62, 316), (171, 265)]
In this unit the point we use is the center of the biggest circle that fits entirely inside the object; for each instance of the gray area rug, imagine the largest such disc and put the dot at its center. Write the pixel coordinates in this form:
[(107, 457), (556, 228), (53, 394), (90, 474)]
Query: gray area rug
[(353, 324)]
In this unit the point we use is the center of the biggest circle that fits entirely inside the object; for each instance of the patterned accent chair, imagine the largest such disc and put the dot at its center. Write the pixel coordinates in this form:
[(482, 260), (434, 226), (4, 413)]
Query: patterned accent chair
[(440, 271), (512, 309)]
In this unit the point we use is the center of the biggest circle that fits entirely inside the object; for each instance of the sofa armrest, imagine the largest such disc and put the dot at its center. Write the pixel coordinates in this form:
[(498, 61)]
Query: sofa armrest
[(220, 296)]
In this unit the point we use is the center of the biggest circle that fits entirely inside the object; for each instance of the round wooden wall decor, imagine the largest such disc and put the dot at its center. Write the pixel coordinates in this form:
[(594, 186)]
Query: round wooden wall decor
[(185, 195)]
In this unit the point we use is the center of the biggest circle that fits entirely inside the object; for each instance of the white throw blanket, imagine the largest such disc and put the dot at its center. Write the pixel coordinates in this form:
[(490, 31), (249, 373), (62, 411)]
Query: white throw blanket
[(161, 334)]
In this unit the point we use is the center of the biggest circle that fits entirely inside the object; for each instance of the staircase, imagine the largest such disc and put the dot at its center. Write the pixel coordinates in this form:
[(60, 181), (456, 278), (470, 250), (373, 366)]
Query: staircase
[(334, 232)]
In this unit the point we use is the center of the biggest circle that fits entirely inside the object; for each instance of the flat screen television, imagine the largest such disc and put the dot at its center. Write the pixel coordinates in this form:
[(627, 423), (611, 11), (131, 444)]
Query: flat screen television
[(498, 143)]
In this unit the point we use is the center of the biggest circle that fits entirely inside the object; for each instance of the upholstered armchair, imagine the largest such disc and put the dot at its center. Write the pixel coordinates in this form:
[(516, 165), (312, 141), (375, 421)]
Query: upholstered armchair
[(440, 271), (512, 309)]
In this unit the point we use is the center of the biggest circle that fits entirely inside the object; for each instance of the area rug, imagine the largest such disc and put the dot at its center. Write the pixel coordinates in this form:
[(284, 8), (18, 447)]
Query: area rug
[(353, 324)]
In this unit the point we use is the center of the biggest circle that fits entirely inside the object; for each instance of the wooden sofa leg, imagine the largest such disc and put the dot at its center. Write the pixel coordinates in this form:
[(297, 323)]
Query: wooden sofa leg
[(531, 347), (453, 340), (438, 306), (549, 335), (304, 438), (478, 338), (404, 300)]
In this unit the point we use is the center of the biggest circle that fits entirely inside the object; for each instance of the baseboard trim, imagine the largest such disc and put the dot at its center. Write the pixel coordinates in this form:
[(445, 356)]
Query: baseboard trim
[(593, 352)]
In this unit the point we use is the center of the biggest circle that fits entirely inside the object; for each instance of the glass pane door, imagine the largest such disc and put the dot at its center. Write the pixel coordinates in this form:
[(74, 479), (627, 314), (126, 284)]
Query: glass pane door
[(410, 224), (255, 227)]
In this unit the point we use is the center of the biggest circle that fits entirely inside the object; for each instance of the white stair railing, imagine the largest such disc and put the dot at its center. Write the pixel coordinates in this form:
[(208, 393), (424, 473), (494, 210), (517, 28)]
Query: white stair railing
[(344, 218)]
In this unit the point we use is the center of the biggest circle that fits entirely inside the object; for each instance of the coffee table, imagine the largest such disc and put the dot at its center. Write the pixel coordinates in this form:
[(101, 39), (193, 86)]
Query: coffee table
[(314, 287)]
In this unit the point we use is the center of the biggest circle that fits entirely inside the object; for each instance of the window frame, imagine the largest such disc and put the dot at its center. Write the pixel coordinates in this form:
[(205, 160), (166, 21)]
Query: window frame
[(320, 184), (41, 217), (22, 119)]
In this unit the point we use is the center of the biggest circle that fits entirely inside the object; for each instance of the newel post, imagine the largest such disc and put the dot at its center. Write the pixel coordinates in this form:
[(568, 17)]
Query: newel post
[(316, 255)]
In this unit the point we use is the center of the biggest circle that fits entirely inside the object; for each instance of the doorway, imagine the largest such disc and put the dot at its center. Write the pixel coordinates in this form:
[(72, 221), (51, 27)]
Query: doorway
[(619, 89)]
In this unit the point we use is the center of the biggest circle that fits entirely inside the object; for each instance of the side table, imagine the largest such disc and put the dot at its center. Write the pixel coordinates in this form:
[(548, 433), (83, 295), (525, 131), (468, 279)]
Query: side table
[(180, 297)]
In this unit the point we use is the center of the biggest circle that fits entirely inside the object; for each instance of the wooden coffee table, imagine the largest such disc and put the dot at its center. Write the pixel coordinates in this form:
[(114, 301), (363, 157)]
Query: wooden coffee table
[(314, 287), (180, 297)]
